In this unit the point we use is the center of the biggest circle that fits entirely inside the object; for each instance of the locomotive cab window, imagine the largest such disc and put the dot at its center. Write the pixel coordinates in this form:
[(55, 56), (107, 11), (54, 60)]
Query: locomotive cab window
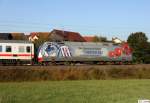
[(28, 49), (8, 48), (0, 48)]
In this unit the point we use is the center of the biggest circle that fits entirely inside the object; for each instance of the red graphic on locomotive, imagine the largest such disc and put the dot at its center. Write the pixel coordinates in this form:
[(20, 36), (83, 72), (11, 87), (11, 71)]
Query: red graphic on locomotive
[(117, 52)]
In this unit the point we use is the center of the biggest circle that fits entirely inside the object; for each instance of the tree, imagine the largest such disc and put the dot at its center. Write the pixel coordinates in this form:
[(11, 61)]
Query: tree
[(99, 39), (140, 46)]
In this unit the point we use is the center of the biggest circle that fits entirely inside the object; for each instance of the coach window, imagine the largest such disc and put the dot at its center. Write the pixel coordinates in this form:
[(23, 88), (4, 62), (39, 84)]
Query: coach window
[(21, 49), (28, 49), (8, 48)]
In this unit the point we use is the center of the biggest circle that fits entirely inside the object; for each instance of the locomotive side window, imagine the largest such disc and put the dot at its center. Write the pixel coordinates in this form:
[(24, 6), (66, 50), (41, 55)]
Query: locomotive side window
[(0, 48), (28, 49), (8, 48), (21, 49)]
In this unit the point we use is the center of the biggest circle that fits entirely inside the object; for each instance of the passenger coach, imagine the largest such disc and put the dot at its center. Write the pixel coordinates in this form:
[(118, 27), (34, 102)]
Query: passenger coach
[(16, 52)]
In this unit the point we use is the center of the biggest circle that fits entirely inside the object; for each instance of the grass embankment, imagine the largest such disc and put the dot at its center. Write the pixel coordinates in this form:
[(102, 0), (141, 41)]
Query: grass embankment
[(93, 91), (40, 73)]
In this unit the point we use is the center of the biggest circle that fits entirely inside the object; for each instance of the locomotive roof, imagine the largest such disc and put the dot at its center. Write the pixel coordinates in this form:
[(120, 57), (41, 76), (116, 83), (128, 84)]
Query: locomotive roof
[(90, 43), (15, 41)]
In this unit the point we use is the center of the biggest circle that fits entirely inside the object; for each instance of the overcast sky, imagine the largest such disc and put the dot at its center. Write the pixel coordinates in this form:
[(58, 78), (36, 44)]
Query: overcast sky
[(110, 18)]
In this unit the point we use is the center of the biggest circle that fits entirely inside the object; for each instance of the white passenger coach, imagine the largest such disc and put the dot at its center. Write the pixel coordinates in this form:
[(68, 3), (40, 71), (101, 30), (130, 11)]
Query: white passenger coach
[(16, 51)]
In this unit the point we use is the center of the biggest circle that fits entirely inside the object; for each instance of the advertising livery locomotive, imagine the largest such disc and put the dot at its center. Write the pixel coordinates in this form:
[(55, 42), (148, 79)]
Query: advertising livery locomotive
[(23, 52), (84, 52)]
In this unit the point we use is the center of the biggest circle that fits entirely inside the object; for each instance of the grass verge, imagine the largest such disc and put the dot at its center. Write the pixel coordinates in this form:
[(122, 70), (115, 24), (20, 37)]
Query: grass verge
[(89, 91)]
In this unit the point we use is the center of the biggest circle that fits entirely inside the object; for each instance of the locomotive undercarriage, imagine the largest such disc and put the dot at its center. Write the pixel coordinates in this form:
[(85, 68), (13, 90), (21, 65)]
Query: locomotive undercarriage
[(73, 63)]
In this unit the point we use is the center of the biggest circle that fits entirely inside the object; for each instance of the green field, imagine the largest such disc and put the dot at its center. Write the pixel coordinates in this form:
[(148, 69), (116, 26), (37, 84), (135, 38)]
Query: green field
[(92, 91)]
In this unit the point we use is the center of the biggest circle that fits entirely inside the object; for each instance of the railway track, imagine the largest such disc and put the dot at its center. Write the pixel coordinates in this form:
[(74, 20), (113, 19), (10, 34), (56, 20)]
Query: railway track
[(147, 66)]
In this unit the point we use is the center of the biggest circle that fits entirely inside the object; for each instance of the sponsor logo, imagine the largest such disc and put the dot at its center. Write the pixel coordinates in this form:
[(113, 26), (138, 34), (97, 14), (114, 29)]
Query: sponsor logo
[(65, 51)]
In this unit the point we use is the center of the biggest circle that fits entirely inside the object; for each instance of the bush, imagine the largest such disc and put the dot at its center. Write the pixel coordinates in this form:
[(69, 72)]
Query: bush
[(74, 73)]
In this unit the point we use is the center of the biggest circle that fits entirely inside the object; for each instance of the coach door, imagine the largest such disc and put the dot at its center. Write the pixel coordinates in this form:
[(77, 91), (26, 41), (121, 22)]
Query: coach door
[(14, 51)]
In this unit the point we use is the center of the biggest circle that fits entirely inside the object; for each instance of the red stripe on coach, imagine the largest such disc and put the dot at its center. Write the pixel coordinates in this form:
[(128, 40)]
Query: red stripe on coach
[(17, 55)]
